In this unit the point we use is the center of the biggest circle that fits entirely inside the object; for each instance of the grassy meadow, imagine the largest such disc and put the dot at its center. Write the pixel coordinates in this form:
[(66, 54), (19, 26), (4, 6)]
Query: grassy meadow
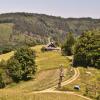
[(44, 60), (48, 74), (39, 96), (46, 77), (89, 82), (50, 59)]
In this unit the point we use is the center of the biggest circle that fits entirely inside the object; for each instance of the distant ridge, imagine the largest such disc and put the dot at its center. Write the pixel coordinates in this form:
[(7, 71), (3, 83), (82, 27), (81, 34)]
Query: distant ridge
[(38, 27)]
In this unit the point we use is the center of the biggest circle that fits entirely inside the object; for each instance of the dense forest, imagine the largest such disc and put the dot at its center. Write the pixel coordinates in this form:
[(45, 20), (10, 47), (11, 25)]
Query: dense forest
[(87, 50), (30, 29)]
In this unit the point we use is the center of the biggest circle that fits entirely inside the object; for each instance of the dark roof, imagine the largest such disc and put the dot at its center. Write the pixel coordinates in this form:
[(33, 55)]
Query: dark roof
[(51, 45)]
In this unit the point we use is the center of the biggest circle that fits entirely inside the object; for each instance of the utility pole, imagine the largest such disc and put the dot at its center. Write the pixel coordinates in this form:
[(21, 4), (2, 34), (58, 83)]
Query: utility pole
[(61, 75)]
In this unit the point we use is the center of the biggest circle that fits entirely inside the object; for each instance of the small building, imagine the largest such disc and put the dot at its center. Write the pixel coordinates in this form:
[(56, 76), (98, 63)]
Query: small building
[(51, 46)]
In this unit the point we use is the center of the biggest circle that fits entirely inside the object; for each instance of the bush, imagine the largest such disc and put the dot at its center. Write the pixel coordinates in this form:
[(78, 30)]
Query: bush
[(67, 51), (4, 78), (3, 64), (97, 63), (22, 65), (43, 49), (6, 50), (2, 84)]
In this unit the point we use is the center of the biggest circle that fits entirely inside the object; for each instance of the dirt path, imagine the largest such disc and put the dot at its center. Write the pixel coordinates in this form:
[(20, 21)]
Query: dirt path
[(64, 92), (73, 78), (52, 89)]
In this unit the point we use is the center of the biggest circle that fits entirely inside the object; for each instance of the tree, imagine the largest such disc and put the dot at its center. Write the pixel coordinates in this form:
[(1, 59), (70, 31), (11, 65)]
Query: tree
[(2, 84), (87, 50), (67, 48), (22, 65)]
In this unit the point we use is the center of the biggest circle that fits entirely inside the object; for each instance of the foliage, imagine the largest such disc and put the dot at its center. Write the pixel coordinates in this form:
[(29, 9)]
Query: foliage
[(68, 46), (43, 49), (6, 50), (22, 65), (23, 28), (44, 61), (87, 50), (2, 84), (2, 64)]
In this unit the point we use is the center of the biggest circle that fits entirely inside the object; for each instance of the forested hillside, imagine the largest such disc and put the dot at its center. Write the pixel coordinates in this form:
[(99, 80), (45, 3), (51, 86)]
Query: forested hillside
[(87, 50), (28, 28)]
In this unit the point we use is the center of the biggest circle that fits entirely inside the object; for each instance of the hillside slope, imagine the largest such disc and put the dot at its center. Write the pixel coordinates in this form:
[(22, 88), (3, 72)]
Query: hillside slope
[(47, 77), (29, 28)]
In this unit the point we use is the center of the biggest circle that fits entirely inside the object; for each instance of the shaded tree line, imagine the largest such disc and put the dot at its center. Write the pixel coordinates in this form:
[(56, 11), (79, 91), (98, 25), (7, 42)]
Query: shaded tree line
[(86, 49), (20, 67)]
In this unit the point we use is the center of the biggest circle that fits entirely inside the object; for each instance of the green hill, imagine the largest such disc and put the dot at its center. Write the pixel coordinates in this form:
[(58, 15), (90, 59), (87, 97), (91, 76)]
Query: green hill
[(46, 77), (5, 31), (28, 28)]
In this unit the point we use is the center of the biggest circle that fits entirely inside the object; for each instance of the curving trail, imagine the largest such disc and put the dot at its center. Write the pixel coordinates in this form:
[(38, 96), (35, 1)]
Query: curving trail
[(52, 89), (64, 92), (74, 77)]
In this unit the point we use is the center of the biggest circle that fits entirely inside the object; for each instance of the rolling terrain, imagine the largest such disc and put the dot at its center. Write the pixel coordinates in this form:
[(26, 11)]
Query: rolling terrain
[(46, 77), (27, 29), (88, 79), (17, 29)]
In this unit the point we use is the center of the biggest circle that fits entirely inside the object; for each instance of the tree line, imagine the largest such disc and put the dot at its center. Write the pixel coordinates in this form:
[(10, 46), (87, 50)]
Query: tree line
[(85, 48), (20, 67)]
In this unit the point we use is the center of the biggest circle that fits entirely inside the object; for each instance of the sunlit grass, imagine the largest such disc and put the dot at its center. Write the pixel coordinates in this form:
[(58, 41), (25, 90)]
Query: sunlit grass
[(43, 80), (88, 77), (46, 60), (40, 96), (6, 56)]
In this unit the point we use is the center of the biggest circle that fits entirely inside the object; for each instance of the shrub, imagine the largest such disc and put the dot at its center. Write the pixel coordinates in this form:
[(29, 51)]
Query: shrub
[(43, 49), (2, 84), (3, 64), (6, 50), (97, 63), (22, 65)]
